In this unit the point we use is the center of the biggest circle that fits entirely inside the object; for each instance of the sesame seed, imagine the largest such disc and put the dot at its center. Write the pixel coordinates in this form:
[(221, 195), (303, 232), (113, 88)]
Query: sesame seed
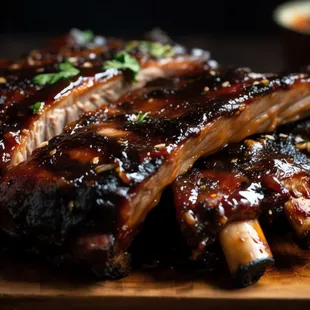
[(87, 64), (71, 205), (104, 167), (15, 66), (123, 175), (234, 160), (212, 73), (44, 143), (270, 212), (213, 195), (254, 75), (53, 152), (270, 137), (206, 89), (265, 82), (203, 187), (282, 135), (189, 218), (299, 139), (2, 80), (256, 83), (226, 84), (150, 100), (73, 59), (95, 160), (304, 146), (30, 61), (160, 146)]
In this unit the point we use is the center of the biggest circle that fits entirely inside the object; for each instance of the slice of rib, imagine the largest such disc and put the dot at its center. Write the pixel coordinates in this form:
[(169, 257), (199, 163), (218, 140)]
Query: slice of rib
[(224, 194), (22, 130), (104, 174)]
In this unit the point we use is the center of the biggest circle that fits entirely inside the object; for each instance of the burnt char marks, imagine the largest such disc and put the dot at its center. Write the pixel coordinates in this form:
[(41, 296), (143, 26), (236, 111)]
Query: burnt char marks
[(19, 92), (113, 164), (20, 95), (242, 181), (207, 95), (176, 113), (23, 129), (125, 153)]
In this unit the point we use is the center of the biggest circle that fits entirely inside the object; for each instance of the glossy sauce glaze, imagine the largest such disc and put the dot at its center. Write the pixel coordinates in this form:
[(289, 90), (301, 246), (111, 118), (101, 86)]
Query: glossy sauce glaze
[(127, 151), (19, 93), (174, 110), (242, 181), (74, 46), (99, 179)]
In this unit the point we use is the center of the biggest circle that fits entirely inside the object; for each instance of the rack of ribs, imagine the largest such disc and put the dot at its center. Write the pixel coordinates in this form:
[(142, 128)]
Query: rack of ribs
[(223, 195), (86, 193), (35, 107)]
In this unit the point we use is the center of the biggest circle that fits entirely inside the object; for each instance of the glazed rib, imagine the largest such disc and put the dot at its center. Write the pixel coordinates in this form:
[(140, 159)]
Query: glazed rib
[(73, 45), (88, 191), (23, 129), (264, 174)]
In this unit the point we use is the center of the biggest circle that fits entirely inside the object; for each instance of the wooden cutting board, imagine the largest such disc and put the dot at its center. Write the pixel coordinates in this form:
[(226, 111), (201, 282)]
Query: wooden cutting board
[(39, 286)]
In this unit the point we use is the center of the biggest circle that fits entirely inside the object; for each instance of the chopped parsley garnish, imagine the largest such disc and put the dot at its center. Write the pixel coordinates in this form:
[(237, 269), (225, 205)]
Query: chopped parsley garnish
[(87, 35), (82, 37), (141, 117), (155, 49), (37, 107), (66, 71), (123, 60)]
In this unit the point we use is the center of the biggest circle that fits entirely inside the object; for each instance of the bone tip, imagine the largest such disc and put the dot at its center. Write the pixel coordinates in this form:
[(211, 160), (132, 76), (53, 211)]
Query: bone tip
[(113, 269), (249, 274)]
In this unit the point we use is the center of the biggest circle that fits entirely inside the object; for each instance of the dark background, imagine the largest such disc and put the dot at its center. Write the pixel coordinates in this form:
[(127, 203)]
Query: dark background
[(127, 17), (236, 32)]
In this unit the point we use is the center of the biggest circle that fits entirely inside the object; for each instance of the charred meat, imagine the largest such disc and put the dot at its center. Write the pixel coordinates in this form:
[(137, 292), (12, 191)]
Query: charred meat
[(39, 97), (266, 174), (89, 190)]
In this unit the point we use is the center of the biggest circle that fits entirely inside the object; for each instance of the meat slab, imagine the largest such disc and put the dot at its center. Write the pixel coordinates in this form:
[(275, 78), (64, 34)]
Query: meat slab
[(222, 194), (87, 192), (34, 109)]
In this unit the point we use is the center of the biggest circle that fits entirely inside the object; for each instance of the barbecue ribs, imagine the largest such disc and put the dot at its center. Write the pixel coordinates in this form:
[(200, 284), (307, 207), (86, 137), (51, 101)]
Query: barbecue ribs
[(87, 192)]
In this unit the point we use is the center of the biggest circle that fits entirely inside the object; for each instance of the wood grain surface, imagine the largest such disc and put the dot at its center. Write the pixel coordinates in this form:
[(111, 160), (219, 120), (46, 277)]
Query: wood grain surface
[(32, 286), (35, 285)]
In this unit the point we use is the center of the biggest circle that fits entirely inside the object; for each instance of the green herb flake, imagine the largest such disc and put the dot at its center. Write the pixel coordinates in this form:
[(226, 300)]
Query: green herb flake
[(87, 35), (82, 37), (66, 71), (37, 107), (141, 117), (154, 49), (123, 60)]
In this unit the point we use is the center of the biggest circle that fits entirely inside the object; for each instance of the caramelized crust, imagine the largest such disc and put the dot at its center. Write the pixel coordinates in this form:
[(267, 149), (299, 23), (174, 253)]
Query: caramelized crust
[(106, 171), (262, 174), (22, 130)]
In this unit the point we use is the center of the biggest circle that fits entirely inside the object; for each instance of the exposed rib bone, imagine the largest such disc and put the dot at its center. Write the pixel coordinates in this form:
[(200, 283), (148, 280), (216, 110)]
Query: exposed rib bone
[(246, 250)]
